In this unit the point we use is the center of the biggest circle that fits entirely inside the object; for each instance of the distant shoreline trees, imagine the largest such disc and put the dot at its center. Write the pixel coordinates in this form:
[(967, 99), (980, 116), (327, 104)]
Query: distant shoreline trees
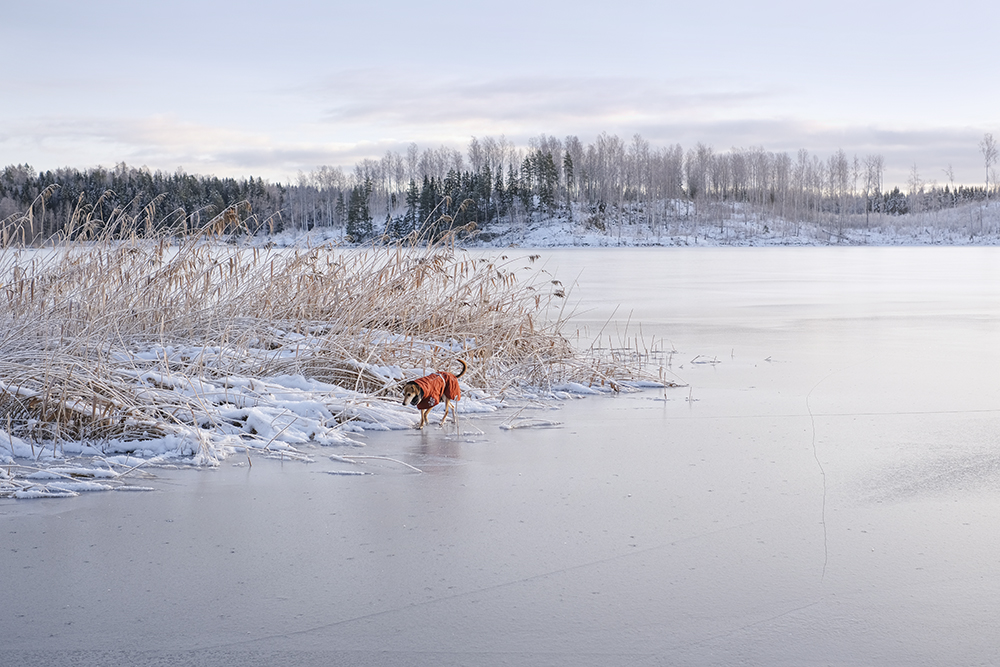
[(427, 194)]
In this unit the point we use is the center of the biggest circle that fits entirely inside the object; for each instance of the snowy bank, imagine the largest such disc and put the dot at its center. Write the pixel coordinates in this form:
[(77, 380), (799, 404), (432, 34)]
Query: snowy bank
[(186, 351), (729, 225)]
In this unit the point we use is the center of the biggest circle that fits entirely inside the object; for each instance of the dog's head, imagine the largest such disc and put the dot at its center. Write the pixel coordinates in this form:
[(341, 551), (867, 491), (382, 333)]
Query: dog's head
[(412, 393)]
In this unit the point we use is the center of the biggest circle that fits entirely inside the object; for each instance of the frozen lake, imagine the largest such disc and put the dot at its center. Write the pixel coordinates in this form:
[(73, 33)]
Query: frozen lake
[(826, 492)]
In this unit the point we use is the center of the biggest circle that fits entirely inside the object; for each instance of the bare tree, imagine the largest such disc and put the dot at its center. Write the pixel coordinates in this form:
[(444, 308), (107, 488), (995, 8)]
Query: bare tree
[(476, 156), (988, 147), (873, 183), (412, 162), (950, 173), (916, 185), (696, 167), (782, 178), (839, 172)]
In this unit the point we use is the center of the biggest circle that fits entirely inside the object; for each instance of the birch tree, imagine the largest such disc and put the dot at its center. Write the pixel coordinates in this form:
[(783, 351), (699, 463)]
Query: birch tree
[(872, 183), (988, 147)]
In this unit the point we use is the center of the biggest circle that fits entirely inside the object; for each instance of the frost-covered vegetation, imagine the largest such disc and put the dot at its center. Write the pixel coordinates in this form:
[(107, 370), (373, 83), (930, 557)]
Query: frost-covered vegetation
[(611, 188), (175, 347), (168, 317)]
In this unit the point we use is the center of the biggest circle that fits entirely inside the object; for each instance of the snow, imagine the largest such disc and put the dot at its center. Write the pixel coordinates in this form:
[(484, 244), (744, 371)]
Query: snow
[(837, 506), (529, 423), (280, 417), (576, 388), (60, 473), (218, 416), (728, 225), (274, 416), (11, 446), (965, 225), (79, 487)]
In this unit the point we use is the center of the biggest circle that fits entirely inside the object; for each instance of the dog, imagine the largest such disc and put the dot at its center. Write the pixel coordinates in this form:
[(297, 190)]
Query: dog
[(426, 392)]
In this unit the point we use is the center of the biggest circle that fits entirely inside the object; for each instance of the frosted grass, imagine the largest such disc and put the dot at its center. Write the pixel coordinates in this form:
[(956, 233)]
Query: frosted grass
[(183, 350)]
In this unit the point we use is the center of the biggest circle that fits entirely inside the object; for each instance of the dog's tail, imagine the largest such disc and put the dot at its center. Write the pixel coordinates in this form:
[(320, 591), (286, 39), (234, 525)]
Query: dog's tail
[(465, 367)]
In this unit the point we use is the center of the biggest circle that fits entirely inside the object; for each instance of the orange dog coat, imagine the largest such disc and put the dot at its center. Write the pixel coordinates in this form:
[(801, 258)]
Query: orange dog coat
[(438, 385)]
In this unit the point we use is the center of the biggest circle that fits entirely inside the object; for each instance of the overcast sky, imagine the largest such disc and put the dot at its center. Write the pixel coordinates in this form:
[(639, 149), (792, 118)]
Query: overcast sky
[(271, 88)]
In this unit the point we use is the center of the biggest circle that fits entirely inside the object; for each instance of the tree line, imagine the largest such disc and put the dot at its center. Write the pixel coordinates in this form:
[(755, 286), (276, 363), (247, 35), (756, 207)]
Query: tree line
[(433, 192), (99, 201)]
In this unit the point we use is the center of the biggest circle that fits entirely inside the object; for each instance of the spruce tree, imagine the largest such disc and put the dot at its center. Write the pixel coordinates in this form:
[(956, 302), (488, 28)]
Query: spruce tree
[(570, 179), (359, 217), (412, 206), (428, 202)]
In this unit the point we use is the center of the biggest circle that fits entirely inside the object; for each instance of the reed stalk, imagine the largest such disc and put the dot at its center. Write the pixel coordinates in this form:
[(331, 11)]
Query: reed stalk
[(113, 332)]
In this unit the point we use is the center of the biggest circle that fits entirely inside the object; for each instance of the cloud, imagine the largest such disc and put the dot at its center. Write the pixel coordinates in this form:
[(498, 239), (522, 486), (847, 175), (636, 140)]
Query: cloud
[(364, 114), (374, 98), (931, 150), (160, 142), (394, 109)]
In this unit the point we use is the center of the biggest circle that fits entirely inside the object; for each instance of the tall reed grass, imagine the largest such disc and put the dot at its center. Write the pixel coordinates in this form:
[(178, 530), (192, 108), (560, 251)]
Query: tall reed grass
[(100, 332)]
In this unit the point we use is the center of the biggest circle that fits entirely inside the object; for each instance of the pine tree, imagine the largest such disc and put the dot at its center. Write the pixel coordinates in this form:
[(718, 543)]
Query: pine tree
[(340, 208), (500, 194), (428, 202), (548, 180), (570, 179), (511, 191), (409, 222)]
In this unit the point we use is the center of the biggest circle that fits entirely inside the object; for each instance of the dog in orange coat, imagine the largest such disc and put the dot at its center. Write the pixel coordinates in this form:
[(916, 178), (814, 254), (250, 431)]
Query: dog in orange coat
[(428, 391)]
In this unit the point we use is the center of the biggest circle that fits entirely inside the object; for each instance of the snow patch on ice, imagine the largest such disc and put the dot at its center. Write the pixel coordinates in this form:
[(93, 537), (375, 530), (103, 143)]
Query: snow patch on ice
[(13, 447), (576, 388), (530, 423)]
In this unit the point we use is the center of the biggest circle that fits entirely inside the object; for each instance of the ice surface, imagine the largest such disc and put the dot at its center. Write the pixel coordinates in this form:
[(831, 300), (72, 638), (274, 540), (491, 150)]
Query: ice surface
[(827, 493)]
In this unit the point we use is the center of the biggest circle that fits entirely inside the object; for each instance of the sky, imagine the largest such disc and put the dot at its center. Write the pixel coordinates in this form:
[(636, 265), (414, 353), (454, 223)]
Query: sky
[(269, 89)]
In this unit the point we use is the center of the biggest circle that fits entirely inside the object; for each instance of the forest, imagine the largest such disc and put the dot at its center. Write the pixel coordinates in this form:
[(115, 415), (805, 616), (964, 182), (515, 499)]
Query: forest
[(429, 193)]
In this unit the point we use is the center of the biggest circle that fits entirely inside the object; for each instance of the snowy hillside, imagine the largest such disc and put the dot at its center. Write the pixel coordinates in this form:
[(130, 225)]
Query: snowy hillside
[(971, 224)]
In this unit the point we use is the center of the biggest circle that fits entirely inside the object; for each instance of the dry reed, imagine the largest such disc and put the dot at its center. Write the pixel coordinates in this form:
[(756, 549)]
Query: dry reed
[(110, 335)]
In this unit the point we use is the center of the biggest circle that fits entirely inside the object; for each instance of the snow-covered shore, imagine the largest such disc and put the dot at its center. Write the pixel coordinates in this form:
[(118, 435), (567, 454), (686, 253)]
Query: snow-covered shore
[(272, 417), (281, 417), (967, 225), (223, 412), (123, 355)]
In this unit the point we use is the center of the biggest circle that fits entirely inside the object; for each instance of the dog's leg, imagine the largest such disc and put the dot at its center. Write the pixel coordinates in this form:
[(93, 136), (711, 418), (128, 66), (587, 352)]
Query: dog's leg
[(454, 411), (423, 418)]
